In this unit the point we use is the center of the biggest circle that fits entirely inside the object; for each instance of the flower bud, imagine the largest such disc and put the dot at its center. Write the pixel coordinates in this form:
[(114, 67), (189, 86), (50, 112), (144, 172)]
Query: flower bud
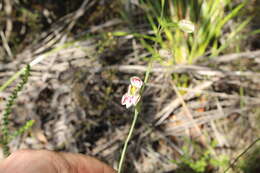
[(164, 53), (186, 26)]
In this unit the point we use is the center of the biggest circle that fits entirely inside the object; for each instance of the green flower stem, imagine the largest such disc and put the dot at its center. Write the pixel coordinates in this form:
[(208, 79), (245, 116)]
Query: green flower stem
[(120, 166)]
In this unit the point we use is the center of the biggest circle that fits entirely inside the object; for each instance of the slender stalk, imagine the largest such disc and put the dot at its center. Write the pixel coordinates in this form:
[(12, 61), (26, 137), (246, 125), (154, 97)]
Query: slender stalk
[(120, 166), (15, 76)]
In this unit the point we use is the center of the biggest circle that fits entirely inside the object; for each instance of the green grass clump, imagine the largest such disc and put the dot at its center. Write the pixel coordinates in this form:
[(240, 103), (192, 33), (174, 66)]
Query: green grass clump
[(209, 18)]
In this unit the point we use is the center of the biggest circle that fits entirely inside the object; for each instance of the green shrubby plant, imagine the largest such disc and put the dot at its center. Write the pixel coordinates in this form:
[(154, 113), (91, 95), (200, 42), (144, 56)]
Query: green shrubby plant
[(200, 161), (6, 134), (184, 30)]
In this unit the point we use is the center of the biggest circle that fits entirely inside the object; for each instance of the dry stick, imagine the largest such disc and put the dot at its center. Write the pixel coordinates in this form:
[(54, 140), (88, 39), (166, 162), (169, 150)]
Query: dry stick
[(9, 24), (5, 44), (202, 138), (166, 111), (221, 139), (234, 56), (182, 69), (207, 118)]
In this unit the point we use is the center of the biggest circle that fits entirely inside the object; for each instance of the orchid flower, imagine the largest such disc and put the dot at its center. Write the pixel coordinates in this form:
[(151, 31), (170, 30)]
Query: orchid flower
[(132, 97)]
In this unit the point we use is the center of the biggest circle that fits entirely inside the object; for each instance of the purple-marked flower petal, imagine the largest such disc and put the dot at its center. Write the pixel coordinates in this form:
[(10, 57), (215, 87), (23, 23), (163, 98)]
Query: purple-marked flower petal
[(129, 104), (125, 99), (136, 81)]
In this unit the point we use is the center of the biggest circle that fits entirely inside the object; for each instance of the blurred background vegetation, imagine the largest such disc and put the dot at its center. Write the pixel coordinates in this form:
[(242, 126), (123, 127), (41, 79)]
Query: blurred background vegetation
[(200, 109)]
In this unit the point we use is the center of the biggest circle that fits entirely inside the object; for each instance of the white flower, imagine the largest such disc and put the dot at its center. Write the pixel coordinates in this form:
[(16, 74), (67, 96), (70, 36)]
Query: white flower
[(132, 97)]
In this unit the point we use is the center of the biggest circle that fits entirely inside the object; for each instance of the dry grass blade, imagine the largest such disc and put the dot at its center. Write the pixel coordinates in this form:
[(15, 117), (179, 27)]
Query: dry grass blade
[(235, 56), (198, 133), (5, 44), (9, 24), (169, 108), (201, 70)]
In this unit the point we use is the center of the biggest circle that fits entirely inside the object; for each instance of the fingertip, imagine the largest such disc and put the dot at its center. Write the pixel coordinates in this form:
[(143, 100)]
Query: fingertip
[(86, 164)]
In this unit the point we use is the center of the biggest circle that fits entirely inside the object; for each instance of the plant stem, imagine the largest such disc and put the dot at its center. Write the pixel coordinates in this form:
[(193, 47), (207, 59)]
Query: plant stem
[(127, 140), (15, 76)]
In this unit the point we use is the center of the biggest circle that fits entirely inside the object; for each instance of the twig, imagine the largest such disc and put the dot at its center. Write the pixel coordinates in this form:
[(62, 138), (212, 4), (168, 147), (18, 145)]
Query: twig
[(182, 69), (234, 56), (210, 116), (221, 139), (5, 44), (9, 24), (188, 114), (168, 109)]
